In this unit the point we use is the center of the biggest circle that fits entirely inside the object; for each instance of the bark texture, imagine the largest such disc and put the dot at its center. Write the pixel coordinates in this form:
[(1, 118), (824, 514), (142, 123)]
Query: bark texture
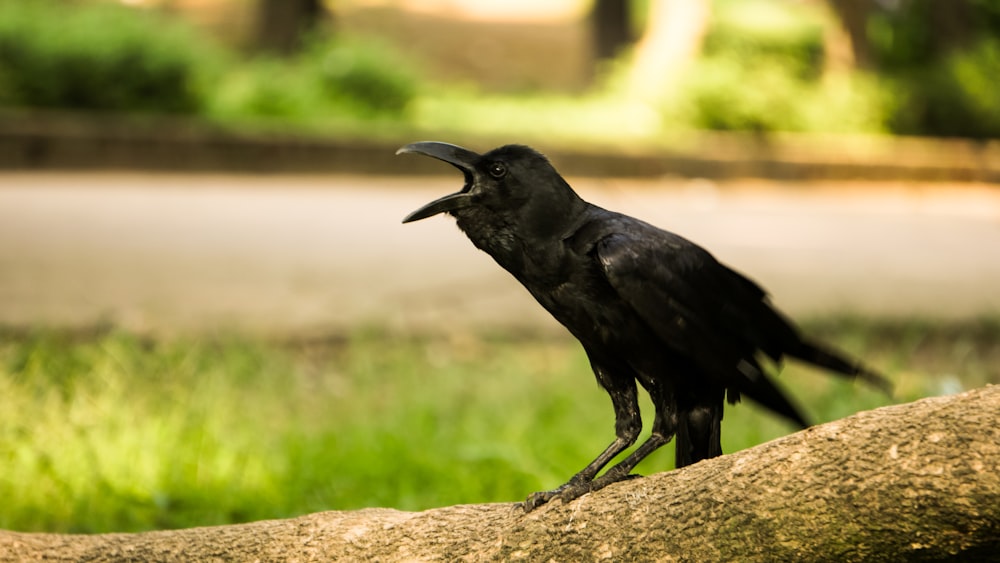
[(913, 482)]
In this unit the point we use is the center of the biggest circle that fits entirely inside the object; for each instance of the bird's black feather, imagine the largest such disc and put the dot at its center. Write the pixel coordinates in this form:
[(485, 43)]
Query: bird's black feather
[(648, 306)]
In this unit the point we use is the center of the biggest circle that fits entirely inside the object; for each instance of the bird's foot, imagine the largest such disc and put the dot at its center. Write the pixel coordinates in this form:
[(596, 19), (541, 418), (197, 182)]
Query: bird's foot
[(535, 500), (565, 493), (571, 491)]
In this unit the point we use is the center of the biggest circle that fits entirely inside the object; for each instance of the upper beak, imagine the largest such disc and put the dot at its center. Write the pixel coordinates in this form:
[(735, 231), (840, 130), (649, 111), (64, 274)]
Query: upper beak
[(463, 159)]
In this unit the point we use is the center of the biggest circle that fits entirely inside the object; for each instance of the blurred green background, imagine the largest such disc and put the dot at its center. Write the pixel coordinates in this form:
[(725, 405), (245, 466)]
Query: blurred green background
[(109, 431), (568, 68), (103, 429)]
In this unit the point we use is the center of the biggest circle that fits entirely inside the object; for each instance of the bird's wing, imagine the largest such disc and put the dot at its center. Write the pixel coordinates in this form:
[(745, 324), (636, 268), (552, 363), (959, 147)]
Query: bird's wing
[(699, 308)]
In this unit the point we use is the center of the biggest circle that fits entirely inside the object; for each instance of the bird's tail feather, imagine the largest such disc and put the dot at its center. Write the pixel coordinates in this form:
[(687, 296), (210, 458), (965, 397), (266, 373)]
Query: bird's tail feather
[(759, 387), (821, 356)]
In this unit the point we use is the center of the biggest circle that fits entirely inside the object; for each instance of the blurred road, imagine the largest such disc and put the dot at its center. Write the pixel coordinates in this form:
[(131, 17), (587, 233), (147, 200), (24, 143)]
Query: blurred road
[(308, 254)]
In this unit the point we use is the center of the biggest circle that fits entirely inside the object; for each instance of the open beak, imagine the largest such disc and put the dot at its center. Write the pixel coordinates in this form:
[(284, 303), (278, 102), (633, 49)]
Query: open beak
[(463, 159)]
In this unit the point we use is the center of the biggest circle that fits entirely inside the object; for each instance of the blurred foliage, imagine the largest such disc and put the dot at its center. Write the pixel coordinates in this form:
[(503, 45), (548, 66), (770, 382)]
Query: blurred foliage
[(100, 57), (331, 79), (956, 96), (724, 94), (366, 76), (107, 431), (762, 69), (106, 57), (904, 34), (943, 89), (763, 33)]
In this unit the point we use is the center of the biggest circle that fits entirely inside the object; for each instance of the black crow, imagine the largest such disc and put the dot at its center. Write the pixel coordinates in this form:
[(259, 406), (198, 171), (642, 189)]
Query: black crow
[(647, 305)]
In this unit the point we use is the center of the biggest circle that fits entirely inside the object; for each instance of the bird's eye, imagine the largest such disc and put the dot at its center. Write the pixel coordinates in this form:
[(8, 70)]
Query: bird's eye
[(498, 170)]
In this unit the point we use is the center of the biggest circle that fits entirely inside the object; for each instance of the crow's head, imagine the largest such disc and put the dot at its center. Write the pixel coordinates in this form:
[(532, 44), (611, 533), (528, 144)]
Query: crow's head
[(512, 185)]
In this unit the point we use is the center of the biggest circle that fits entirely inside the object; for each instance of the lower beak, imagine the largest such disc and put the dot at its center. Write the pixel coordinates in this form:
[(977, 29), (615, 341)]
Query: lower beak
[(463, 159), (447, 203)]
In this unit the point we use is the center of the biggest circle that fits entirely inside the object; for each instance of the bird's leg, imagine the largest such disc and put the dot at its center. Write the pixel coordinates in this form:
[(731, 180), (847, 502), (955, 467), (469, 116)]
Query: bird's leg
[(664, 427), (628, 425), (620, 471)]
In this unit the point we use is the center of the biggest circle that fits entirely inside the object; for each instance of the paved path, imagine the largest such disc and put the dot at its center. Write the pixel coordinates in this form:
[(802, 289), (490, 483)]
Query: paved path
[(299, 254)]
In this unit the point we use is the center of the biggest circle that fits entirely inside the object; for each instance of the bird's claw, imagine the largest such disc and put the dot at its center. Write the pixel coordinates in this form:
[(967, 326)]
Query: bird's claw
[(571, 491), (564, 494), (535, 500)]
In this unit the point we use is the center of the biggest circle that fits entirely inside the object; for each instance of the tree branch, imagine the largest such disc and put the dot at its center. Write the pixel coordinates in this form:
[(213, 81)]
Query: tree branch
[(915, 482)]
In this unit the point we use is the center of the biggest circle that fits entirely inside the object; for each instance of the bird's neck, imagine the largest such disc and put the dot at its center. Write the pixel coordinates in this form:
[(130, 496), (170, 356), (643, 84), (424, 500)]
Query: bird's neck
[(493, 235), (524, 242)]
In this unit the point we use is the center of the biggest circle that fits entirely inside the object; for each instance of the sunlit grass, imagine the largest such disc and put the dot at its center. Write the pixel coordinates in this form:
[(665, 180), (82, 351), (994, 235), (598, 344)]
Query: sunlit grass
[(595, 118), (112, 432)]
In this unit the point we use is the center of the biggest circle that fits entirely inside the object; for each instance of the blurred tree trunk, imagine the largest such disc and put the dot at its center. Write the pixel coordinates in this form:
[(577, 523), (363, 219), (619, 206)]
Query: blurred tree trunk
[(611, 25), (853, 17), (672, 39), (838, 46), (282, 24)]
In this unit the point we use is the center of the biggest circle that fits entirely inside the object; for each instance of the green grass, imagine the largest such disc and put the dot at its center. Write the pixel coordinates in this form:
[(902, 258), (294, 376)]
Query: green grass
[(108, 431)]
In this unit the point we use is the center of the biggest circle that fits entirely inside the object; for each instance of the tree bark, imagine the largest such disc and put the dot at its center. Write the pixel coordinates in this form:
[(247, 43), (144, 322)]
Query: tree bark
[(913, 482)]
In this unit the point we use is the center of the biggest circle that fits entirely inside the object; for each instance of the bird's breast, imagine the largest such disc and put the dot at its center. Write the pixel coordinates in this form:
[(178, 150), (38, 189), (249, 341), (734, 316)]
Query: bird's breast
[(588, 307)]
